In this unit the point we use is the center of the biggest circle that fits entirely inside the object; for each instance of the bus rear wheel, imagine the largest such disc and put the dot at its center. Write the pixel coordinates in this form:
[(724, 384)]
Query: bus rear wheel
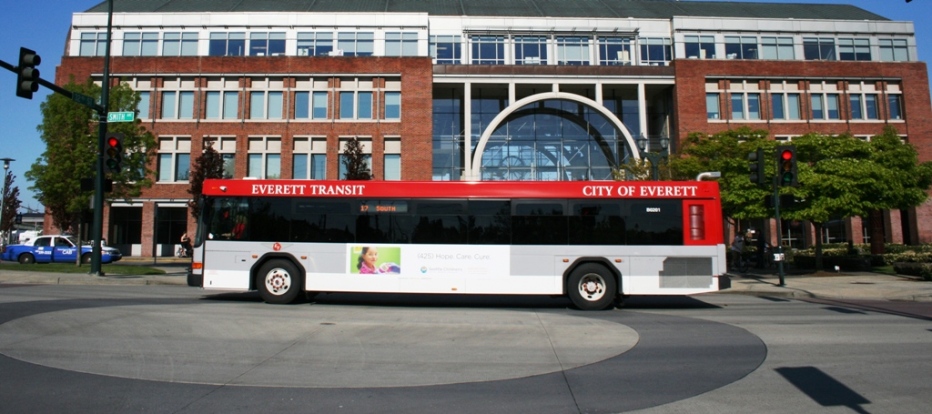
[(279, 282), (591, 287)]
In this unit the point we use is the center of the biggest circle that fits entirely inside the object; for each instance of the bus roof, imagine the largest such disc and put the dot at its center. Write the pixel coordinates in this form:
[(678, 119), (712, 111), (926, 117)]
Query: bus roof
[(462, 189)]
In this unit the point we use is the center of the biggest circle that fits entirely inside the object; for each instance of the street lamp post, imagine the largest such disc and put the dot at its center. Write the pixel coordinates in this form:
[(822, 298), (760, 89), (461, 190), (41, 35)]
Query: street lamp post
[(654, 158), (6, 167)]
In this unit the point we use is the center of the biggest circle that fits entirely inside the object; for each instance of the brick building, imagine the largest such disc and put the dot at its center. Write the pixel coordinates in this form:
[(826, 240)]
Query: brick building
[(483, 90)]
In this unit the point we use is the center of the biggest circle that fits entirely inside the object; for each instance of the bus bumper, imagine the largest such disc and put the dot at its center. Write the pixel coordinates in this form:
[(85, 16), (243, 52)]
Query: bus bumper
[(724, 282)]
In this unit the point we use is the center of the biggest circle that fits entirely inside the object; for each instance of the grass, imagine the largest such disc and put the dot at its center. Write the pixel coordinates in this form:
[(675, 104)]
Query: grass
[(109, 269), (886, 269)]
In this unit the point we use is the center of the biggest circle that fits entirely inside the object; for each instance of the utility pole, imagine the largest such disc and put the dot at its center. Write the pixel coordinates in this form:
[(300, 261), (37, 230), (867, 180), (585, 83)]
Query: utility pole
[(97, 227)]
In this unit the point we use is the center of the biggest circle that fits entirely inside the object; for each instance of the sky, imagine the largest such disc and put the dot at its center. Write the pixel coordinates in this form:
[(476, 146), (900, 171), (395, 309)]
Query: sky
[(42, 25)]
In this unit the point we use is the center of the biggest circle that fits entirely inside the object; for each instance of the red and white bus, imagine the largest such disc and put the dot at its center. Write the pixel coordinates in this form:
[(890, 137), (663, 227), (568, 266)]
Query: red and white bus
[(594, 241)]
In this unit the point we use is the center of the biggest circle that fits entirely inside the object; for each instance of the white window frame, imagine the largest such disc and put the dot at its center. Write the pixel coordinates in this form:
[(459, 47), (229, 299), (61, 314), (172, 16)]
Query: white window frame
[(267, 150), (391, 163), (185, 42), (226, 147), (172, 149), (315, 149)]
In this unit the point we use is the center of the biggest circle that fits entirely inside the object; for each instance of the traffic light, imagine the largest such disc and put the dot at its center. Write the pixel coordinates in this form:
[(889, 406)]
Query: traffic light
[(786, 163), (27, 76), (113, 154), (756, 166)]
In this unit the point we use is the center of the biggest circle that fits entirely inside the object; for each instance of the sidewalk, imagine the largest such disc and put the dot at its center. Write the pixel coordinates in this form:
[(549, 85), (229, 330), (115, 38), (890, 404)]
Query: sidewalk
[(176, 271), (828, 285), (845, 285)]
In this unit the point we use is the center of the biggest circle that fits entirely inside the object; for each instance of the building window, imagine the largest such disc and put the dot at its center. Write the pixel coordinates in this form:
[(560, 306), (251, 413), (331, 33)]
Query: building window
[(893, 50), (355, 105), (315, 44), (392, 162), (355, 43), (179, 44), (819, 48), (174, 159), (446, 50), (392, 105), (699, 47), (655, 51), (614, 51), (530, 50), (227, 44), (401, 44), (895, 103), (142, 108), (93, 44), (140, 44), (310, 159), (825, 106), (573, 50), (365, 144), (854, 49), (745, 105), (741, 47), (864, 106), (311, 105), (222, 104), (264, 158), (226, 146), (178, 105), (777, 48), (266, 44), (785, 106), (712, 109), (265, 105), (488, 50)]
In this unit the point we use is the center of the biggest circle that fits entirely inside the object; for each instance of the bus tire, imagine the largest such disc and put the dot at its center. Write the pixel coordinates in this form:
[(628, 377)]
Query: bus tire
[(27, 258), (591, 287), (278, 281)]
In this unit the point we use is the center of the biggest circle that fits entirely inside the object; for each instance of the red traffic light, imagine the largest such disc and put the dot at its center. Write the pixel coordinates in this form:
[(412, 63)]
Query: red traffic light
[(786, 155), (113, 142)]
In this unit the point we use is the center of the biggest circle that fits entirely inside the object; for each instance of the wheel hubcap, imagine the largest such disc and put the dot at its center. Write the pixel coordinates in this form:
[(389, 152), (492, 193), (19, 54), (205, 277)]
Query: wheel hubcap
[(592, 287), (278, 282)]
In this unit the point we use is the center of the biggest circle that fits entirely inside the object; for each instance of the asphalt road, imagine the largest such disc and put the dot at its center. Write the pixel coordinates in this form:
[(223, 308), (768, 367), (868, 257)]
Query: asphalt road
[(181, 350)]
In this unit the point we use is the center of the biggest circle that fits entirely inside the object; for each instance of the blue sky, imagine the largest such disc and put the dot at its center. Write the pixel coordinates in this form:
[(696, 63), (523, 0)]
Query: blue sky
[(42, 25)]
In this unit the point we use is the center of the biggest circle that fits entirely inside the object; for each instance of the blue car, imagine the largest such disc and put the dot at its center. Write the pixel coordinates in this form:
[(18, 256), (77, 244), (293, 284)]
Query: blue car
[(55, 249)]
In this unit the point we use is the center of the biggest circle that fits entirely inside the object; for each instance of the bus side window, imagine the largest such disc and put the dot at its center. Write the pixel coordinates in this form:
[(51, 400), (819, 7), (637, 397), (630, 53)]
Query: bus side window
[(439, 222), (597, 222), (322, 221), (539, 222), (489, 222), (655, 222)]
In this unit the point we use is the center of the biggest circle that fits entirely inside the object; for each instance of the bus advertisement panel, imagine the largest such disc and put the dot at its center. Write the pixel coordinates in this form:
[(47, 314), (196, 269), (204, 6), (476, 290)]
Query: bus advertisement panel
[(593, 241)]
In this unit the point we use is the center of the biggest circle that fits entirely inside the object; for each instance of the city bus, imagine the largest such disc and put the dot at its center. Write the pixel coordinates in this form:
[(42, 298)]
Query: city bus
[(593, 241)]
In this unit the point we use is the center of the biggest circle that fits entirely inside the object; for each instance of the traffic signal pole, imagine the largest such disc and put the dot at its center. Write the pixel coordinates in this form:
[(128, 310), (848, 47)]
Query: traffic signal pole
[(97, 227)]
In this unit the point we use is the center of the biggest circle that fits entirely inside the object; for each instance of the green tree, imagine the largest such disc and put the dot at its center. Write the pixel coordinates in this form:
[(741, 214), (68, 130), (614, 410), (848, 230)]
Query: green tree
[(208, 165), (355, 161), (839, 176), (727, 152), (69, 132), (11, 203)]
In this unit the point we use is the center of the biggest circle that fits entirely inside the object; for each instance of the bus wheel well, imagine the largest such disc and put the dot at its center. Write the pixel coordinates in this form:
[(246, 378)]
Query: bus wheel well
[(596, 260), (592, 283), (254, 272)]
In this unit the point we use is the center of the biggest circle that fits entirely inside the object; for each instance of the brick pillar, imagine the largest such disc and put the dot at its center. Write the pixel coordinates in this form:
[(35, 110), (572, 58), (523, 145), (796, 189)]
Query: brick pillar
[(148, 228)]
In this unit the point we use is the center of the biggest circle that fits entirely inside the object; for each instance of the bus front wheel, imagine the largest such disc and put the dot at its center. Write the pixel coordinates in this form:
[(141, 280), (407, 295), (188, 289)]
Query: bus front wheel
[(279, 282), (591, 287)]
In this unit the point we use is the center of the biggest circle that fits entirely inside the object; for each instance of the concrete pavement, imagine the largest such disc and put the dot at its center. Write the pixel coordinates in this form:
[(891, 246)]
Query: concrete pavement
[(826, 285)]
